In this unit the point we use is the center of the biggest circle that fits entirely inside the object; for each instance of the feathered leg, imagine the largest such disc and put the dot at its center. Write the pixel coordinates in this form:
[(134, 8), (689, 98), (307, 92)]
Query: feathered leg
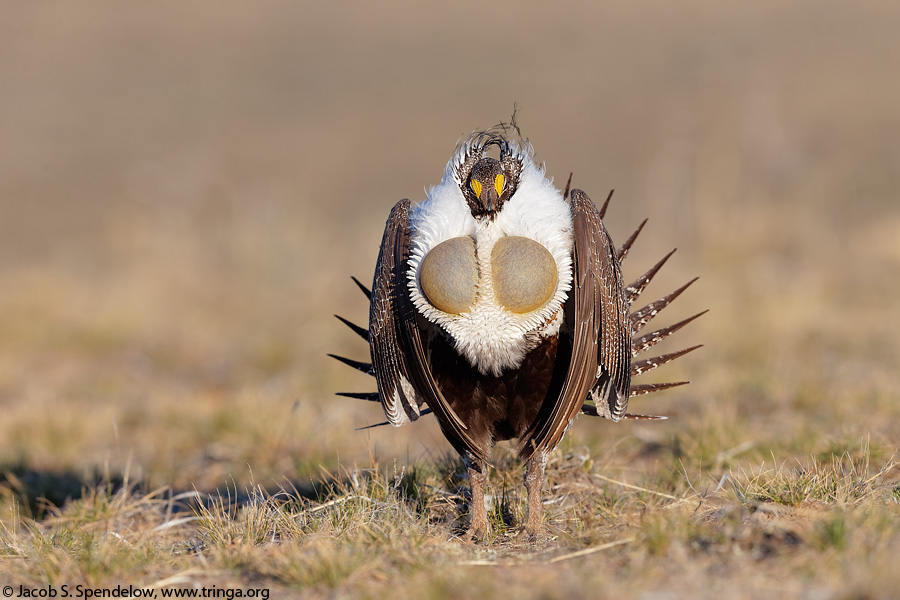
[(477, 478), (534, 483)]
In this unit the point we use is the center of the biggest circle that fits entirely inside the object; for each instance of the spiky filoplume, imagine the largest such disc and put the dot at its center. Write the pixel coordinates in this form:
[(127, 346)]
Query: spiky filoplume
[(498, 304)]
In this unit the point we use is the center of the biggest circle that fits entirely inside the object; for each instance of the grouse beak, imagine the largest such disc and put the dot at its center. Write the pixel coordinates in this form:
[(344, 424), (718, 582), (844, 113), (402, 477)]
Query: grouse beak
[(488, 198)]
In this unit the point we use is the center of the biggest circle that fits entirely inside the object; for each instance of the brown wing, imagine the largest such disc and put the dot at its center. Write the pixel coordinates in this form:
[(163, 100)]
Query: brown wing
[(399, 359), (613, 386), (600, 332)]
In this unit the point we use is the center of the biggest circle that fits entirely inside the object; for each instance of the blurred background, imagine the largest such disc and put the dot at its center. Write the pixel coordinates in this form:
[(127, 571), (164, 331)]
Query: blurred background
[(186, 188)]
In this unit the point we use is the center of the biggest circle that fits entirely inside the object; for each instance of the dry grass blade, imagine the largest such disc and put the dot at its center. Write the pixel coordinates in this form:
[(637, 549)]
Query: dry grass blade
[(175, 523), (591, 550), (636, 487), (338, 501), (190, 576)]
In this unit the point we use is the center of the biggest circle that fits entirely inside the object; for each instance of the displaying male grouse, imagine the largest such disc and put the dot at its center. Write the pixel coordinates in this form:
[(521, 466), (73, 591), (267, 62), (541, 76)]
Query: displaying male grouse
[(500, 306)]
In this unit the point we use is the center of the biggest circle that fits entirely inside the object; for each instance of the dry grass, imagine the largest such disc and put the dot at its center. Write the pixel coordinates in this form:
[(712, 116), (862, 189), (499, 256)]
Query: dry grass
[(184, 193), (826, 526)]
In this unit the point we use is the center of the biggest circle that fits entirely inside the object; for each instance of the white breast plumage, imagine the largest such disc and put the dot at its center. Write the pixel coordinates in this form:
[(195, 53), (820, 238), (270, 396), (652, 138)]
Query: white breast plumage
[(492, 337)]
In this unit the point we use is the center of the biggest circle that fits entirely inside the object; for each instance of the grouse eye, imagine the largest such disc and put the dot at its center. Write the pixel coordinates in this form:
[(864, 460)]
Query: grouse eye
[(498, 183), (449, 275), (476, 187), (524, 274)]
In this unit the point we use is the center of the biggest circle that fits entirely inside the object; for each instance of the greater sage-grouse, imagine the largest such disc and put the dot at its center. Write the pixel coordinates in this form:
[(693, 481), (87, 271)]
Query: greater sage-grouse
[(499, 306)]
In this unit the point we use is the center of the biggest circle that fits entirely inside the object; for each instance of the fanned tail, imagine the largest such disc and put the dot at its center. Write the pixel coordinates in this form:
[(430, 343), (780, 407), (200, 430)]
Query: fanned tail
[(639, 319)]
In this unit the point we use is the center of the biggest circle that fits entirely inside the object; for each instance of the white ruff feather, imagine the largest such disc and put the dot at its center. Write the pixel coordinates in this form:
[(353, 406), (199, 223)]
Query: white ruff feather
[(492, 338)]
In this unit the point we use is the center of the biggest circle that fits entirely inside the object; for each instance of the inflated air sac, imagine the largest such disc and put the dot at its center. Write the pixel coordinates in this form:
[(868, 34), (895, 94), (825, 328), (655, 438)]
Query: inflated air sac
[(524, 274), (449, 275)]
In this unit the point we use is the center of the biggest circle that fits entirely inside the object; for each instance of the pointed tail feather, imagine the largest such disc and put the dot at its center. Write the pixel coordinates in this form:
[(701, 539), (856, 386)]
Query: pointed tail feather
[(359, 366), (368, 396), (427, 411), (640, 318), (606, 204), (642, 366), (649, 388), (651, 339), (590, 409), (364, 289), (361, 332), (382, 424), (635, 288), (623, 251)]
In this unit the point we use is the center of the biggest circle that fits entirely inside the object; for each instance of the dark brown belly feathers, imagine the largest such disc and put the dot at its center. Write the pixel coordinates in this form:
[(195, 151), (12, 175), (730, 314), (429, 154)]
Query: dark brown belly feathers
[(496, 408)]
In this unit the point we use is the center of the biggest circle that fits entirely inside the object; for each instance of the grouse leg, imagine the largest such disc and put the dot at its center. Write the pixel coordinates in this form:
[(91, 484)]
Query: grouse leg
[(477, 478), (534, 482)]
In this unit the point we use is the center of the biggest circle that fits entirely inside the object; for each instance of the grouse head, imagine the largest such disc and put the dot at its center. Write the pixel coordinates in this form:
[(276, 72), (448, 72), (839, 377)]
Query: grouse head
[(486, 182)]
